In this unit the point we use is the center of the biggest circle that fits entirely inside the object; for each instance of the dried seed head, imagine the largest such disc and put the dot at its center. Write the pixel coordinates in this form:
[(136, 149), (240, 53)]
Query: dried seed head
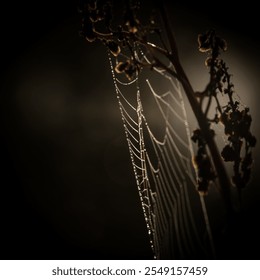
[(228, 153), (204, 43), (114, 48), (121, 66)]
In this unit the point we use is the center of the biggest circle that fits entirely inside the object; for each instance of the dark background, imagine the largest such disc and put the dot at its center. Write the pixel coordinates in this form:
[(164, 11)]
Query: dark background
[(67, 188)]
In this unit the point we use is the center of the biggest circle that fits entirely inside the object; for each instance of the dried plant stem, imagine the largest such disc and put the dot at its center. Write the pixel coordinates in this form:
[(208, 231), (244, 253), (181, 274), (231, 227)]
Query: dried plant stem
[(223, 178)]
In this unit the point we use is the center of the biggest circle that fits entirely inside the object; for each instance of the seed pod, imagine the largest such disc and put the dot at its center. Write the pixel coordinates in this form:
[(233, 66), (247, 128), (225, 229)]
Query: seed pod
[(228, 153), (114, 48), (130, 71), (208, 61), (204, 44), (203, 187), (121, 66), (88, 30), (90, 35), (222, 44), (131, 21), (196, 136)]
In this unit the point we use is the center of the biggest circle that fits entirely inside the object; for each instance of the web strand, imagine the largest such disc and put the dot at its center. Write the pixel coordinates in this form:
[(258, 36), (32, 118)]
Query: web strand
[(161, 159)]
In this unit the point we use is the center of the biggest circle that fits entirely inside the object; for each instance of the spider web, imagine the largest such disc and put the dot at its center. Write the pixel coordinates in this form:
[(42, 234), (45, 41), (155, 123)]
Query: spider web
[(158, 137)]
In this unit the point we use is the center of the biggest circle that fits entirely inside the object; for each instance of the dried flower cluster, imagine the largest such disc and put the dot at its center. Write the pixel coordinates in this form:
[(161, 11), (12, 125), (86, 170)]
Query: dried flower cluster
[(121, 36), (235, 119)]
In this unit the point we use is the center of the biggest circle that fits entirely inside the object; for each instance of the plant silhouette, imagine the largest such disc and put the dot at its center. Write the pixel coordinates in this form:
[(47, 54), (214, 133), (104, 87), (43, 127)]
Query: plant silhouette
[(121, 33)]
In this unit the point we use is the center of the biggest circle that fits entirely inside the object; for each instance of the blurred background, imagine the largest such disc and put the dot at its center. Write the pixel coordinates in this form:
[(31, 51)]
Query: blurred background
[(67, 186)]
